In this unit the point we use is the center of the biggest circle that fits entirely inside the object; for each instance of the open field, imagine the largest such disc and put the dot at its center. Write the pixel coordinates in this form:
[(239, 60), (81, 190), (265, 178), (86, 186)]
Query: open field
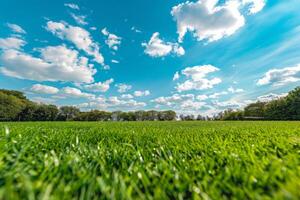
[(150, 160)]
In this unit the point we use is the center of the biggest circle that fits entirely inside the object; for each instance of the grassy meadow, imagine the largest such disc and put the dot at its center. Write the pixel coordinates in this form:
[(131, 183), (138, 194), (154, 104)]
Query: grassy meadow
[(150, 160)]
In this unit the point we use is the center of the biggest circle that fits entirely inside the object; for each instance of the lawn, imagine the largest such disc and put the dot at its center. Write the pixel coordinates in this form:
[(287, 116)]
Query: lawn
[(150, 160)]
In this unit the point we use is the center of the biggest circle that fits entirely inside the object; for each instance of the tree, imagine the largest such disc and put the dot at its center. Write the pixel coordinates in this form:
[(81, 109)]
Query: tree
[(67, 113), (10, 106), (45, 113)]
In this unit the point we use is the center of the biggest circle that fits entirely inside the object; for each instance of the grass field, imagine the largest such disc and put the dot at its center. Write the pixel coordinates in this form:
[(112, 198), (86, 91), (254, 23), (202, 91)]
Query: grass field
[(150, 160)]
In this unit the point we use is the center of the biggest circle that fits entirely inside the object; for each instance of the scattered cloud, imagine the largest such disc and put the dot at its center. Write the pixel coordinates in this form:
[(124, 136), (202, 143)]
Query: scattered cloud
[(78, 36), (235, 90), (176, 76), (115, 61), (113, 41), (127, 96), (202, 97), (44, 89), (71, 92), (158, 48), (197, 78), (11, 43), (280, 77), (136, 30), (217, 95), (57, 63), (141, 93), (80, 19), (16, 28), (112, 103), (72, 6), (122, 88), (271, 97), (100, 86), (255, 6)]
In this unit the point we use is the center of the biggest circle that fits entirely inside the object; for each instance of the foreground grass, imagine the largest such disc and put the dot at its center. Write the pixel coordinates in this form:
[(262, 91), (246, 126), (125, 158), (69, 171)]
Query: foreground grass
[(150, 160)]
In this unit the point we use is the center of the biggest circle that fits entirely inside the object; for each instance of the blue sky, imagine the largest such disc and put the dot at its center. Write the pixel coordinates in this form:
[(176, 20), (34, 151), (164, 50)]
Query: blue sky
[(193, 57)]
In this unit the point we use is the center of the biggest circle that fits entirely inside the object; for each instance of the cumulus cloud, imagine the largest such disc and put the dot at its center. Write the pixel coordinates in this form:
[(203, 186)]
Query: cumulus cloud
[(255, 6), (57, 63), (271, 97), (75, 93), (136, 29), (115, 61), (197, 78), (280, 77), (176, 76), (78, 36), (182, 103), (16, 28), (174, 99), (127, 96), (44, 89), (141, 93), (217, 95), (202, 97), (123, 87), (80, 19), (100, 86), (11, 43), (112, 103), (207, 20), (113, 41), (235, 90), (158, 48), (72, 6)]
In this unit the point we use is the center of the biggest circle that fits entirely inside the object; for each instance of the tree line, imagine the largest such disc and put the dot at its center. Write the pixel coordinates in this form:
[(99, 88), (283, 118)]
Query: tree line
[(285, 108), (14, 106)]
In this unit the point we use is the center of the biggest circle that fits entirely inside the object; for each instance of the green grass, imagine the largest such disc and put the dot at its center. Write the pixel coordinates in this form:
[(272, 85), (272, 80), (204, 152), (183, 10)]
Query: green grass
[(150, 160)]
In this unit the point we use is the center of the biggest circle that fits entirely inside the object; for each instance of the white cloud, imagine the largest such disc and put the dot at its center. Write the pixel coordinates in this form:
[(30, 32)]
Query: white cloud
[(11, 43), (176, 76), (202, 97), (127, 96), (80, 19), (136, 30), (174, 99), (113, 41), (141, 93), (279, 77), (57, 63), (181, 103), (72, 6), (112, 103), (230, 104), (271, 97), (100, 86), (158, 48), (44, 89), (234, 91), (16, 28), (197, 78), (115, 61), (123, 87), (255, 5), (75, 93), (208, 20), (217, 95), (78, 36)]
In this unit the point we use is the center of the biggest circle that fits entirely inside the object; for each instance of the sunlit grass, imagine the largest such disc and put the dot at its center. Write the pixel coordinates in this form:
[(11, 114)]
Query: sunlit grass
[(150, 160)]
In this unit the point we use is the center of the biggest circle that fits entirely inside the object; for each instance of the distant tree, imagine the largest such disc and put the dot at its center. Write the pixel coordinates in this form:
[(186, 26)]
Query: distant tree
[(255, 110), (46, 113), (67, 113), (10, 106)]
